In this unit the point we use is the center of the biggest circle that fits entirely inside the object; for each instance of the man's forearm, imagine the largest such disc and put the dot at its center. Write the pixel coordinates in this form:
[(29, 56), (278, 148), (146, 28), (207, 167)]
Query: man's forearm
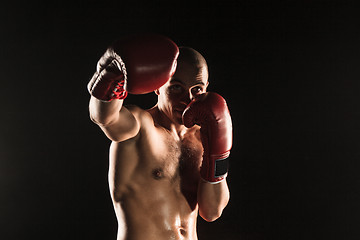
[(212, 199), (104, 113)]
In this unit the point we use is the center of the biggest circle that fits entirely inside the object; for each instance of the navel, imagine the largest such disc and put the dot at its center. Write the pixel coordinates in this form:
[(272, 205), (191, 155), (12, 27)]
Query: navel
[(158, 173), (183, 232)]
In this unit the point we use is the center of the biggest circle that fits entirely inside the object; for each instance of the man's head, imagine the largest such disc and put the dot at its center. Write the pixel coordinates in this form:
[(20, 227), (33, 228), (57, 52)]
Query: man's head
[(190, 80)]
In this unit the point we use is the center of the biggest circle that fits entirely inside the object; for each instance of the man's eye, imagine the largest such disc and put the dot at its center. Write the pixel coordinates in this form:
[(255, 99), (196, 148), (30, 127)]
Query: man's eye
[(175, 88), (197, 90)]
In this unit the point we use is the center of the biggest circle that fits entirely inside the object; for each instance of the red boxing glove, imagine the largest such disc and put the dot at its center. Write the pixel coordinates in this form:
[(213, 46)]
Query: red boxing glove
[(138, 64), (211, 113)]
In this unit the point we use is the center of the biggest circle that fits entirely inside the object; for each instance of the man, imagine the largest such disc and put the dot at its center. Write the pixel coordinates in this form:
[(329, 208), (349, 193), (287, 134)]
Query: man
[(162, 173)]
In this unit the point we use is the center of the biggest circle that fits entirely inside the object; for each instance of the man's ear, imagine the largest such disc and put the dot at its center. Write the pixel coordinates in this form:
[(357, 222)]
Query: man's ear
[(157, 92), (207, 84)]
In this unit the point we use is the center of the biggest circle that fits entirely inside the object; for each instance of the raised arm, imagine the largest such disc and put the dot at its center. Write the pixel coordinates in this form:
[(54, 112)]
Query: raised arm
[(210, 112), (137, 65)]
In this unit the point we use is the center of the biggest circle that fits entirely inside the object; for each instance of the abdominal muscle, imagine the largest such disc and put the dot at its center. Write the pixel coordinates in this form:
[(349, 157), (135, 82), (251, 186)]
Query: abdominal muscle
[(154, 217), (148, 198)]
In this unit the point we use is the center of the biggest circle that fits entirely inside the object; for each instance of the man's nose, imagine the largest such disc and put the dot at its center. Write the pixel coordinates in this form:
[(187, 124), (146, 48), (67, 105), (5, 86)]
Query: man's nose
[(188, 97)]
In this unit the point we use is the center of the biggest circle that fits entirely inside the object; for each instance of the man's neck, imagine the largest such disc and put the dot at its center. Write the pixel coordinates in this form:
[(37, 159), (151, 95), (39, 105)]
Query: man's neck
[(161, 119)]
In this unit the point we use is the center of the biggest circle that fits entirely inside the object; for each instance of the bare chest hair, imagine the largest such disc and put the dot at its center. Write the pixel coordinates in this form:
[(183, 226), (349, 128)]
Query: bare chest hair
[(180, 158)]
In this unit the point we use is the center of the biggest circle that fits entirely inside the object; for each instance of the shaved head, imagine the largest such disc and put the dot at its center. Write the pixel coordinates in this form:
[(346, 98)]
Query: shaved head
[(189, 81), (192, 57)]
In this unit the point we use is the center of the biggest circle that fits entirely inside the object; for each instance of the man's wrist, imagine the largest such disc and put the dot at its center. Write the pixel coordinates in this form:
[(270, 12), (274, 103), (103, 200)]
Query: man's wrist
[(221, 179)]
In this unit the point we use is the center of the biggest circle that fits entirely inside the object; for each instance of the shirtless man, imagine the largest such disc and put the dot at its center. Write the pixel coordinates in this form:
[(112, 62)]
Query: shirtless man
[(160, 175)]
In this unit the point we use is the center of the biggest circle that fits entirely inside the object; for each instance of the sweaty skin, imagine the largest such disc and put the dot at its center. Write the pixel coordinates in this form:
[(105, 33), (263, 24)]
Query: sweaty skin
[(154, 165)]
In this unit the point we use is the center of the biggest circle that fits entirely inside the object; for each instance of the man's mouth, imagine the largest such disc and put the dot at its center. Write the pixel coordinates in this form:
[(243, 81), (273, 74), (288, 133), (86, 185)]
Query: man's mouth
[(180, 110)]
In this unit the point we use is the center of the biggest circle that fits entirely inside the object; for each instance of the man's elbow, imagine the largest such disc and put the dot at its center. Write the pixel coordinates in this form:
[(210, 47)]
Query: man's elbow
[(210, 215), (99, 120)]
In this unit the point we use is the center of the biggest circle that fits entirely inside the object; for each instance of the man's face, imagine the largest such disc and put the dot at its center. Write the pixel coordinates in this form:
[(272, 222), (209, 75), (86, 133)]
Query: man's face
[(187, 83)]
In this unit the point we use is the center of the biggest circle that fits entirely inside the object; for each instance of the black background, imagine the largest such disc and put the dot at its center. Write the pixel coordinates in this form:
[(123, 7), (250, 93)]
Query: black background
[(288, 69)]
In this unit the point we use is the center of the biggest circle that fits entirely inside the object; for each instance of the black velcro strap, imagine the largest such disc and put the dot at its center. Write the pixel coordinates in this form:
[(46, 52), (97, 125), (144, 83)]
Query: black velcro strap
[(221, 167)]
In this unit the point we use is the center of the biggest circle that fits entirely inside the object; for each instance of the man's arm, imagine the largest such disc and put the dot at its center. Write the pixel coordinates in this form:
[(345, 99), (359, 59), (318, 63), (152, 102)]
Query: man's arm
[(116, 121), (212, 199), (210, 112), (136, 64)]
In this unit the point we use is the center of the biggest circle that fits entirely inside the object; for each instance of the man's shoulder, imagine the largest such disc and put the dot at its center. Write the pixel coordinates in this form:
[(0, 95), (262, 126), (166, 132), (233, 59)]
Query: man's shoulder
[(142, 116), (136, 110)]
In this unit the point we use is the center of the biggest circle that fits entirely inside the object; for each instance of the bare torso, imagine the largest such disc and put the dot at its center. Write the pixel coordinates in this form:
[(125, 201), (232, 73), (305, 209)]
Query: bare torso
[(153, 180)]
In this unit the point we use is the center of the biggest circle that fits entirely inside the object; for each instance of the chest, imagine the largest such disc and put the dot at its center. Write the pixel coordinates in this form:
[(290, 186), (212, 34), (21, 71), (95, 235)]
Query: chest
[(177, 159)]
